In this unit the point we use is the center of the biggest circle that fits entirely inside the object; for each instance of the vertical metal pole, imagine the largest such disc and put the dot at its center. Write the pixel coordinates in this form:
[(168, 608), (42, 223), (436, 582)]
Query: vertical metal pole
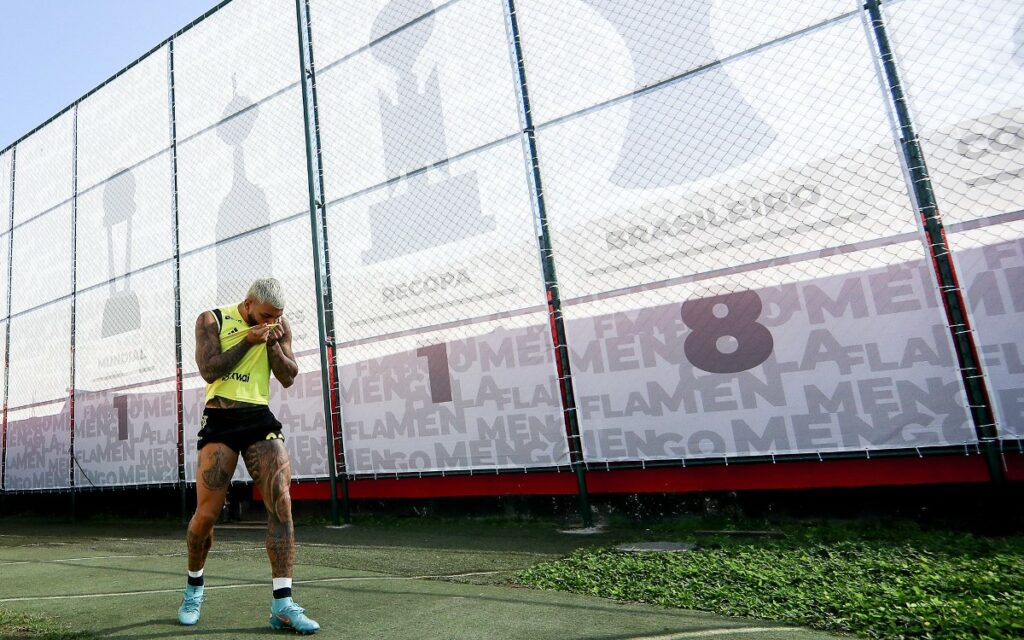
[(949, 286), (7, 327), (550, 278), (178, 407), (314, 214), (74, 304), (336, 418)]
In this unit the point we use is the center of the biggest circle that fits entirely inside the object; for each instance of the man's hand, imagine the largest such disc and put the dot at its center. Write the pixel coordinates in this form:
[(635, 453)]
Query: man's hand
[(268, 333), (279, 350), (276, 332)]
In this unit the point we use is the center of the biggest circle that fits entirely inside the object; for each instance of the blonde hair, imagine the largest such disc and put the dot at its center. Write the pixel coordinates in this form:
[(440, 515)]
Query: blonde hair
[(267, 291)]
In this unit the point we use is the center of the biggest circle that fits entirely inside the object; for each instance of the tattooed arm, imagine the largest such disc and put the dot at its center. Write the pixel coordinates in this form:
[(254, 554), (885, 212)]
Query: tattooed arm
[(212, 363), (279, 350)]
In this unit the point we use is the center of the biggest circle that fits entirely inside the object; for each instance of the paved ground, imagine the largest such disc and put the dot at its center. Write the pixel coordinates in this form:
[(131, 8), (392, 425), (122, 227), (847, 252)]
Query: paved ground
[(445, 581)]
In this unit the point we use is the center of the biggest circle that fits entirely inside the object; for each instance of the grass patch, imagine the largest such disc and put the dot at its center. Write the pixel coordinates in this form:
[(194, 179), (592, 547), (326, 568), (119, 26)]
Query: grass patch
[(879, 582), (22, 626)]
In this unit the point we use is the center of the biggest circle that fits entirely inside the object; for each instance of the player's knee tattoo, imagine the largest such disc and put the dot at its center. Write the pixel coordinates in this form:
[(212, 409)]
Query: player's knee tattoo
[(275, 473), (279, 502), (198, 545)]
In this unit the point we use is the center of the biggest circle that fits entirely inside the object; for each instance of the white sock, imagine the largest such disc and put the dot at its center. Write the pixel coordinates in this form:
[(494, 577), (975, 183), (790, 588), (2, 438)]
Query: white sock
[(195, 574), (282, 583)]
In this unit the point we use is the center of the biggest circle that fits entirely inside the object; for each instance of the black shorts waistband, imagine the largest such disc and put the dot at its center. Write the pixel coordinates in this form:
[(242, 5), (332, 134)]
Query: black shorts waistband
[(217, 420)]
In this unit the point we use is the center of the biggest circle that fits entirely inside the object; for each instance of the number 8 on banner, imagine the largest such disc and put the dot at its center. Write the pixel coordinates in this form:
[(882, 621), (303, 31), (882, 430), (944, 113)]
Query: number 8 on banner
[(737, 317)]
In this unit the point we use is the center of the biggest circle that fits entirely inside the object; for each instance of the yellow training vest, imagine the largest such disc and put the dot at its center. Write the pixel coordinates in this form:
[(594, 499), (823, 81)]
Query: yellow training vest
[(249, 381)]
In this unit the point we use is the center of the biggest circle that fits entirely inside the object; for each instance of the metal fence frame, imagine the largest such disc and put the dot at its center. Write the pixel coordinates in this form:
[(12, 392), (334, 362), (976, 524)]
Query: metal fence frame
[(919, 184)]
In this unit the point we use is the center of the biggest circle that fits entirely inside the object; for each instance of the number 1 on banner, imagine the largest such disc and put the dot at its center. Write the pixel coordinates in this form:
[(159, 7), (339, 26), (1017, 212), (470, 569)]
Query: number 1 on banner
[(121, 406), (734, 315), (439, 377)]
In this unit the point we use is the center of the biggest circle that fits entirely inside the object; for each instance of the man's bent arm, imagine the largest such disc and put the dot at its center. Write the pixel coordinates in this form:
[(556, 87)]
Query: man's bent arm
[(212, 363), (282, 360)]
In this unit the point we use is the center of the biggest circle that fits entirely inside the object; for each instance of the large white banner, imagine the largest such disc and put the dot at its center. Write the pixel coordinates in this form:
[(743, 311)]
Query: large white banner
[(124, 224), (962, 63), (6, 166), (244, 174), (436, 249), (580, 53), (124, 331), (794, 157), (124, 123), (431, 85), (992, 273), (248, 49), (126, 437), (43, 260), (40, 355), (241, 153), (773, 362), (483, 397), (43, 172), (38, 454), (963, 67), (5, 264)]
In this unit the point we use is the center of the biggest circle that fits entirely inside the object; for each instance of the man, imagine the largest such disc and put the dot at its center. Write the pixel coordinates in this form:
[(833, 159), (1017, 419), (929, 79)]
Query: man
[(236, 349)]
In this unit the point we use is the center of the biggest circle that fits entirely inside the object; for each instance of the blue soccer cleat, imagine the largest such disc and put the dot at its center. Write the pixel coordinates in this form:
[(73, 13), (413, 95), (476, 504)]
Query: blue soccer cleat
[(188, 613), (285, 614)]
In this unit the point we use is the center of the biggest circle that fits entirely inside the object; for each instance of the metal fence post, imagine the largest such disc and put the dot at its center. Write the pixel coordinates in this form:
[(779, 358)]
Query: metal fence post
[(178, 406), (550, 278), (74, 304), (7, 328), (316, 204), (336, 417), (956, 310)]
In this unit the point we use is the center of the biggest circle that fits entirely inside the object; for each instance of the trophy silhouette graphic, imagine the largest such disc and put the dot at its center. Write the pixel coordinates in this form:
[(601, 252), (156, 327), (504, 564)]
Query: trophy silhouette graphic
[(121, 310), (414, 138), (244, 208), (673, 136)]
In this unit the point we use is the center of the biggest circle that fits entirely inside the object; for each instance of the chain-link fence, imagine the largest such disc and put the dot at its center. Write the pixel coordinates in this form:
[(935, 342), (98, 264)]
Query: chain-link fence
[(444, 352), (963, 66), (527, 235), (243, 201)]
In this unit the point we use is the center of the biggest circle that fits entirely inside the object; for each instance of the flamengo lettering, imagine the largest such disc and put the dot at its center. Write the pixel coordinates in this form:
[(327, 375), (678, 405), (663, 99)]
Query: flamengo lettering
[(427, 284)]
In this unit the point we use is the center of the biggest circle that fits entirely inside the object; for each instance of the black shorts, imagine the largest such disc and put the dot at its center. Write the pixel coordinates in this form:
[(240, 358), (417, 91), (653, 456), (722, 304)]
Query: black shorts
[(238, 428)]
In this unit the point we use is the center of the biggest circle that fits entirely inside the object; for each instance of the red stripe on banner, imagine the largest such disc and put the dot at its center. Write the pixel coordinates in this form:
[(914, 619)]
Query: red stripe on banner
[(1013, 466), (792, 475), (737, 477), (547, 483)]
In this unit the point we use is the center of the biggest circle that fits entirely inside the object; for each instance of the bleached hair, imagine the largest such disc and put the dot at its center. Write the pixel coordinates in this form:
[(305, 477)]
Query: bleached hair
[(267, 291)]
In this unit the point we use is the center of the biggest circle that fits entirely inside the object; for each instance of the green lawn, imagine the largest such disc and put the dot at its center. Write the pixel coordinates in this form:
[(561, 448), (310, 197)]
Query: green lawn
[(880, 581), (868, 578), (21, 626)]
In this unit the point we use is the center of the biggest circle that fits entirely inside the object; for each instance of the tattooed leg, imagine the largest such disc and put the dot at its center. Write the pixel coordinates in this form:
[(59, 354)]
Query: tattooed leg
[(267, 462), (213, 477)]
